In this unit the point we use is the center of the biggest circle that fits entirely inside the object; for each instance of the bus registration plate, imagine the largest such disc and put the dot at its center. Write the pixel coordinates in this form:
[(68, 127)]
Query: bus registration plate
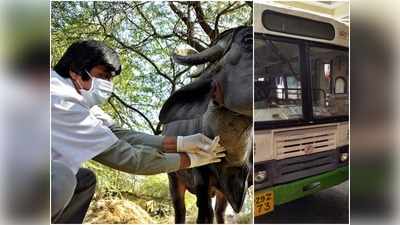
[(264, 203)]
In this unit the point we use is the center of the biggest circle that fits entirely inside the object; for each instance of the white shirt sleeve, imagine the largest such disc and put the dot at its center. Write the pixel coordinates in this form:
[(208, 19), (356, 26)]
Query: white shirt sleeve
[(101, 115), (77, 135)]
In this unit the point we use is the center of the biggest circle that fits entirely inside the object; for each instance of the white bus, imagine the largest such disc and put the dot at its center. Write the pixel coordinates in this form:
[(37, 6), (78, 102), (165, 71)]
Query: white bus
[(301, 104)]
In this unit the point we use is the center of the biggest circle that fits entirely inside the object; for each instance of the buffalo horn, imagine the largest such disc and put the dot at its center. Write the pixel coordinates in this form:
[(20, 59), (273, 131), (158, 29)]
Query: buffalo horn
[(208, 55)]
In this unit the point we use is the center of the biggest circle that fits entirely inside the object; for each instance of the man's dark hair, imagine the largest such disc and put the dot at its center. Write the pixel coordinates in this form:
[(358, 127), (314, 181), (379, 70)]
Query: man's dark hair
[(84, 55)]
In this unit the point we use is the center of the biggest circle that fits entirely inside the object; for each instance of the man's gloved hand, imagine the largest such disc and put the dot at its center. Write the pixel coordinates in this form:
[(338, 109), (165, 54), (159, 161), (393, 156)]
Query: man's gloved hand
[(197, 143), (214, 155)]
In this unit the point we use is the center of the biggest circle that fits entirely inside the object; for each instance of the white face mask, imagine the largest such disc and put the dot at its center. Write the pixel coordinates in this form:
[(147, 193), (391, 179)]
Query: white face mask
[(98, 93)]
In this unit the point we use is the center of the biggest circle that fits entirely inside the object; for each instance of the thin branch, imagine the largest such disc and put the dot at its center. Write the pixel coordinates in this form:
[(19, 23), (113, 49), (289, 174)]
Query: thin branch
[(137, 111), (202, 21), (181, 72), (155, 33), (189, 25), (176, 76), (227, 10), (179, 14), (118, 113), (132, 48), (143, 56), (196, 45), (195, 40)]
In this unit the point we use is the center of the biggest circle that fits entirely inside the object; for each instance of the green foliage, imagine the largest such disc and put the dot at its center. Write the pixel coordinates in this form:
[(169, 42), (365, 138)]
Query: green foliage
[(144, 34), (111, 182)]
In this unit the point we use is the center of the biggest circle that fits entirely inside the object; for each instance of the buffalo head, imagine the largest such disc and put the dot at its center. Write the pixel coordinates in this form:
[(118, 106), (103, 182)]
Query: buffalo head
[(228, 78)]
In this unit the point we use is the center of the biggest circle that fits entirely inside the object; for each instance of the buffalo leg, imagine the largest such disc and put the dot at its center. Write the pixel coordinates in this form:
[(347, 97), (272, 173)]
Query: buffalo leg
[(220, 207), (177, 190), (205, 210)]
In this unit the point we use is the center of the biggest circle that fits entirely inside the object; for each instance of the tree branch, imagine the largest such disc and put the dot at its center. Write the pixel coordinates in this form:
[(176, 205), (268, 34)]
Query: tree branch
[(118, 113), (189, 25), (132, 48), (137, 111), (179, 14), (227, 10), (202, 21), (196, 45), (143, 56), (177, 75)]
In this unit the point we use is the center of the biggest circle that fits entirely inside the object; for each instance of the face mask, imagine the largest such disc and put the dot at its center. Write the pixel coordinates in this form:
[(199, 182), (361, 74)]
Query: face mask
[(98, 93)]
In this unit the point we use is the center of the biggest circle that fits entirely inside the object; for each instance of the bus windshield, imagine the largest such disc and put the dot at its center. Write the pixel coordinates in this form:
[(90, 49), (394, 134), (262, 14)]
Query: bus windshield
[(278, 89), (329, 78), (277, 81)]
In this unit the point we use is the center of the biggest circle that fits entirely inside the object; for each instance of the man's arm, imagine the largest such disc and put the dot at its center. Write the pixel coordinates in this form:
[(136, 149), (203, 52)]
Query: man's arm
[(165, 144), (142, 160), (197, 143), (141, 153)]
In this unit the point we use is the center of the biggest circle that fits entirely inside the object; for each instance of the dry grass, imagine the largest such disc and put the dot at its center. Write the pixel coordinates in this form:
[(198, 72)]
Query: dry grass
[(116, 211)]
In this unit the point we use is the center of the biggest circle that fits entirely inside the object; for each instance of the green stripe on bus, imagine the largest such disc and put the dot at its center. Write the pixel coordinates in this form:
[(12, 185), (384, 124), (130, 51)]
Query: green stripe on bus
[(288, 192)]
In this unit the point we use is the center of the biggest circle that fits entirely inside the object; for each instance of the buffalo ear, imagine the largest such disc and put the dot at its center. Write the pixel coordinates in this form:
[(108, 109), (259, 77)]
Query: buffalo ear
[(189, 102)]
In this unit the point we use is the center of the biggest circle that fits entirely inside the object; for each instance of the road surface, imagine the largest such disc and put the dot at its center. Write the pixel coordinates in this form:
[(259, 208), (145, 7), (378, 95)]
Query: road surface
[(328, 206)]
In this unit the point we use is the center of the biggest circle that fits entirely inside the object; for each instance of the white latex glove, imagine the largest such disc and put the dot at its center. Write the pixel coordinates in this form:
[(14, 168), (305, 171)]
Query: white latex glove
[(197, 143), (213, 156)]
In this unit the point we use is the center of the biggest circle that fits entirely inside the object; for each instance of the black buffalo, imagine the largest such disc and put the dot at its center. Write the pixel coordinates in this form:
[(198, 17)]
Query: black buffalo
[(218, 103)]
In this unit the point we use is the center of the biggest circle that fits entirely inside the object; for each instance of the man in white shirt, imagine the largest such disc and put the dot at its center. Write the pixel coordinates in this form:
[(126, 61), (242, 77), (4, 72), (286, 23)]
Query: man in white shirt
[(81, 131)]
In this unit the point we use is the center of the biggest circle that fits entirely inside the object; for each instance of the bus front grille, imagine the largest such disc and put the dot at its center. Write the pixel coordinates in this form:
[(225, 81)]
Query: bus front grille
[(293, 143)]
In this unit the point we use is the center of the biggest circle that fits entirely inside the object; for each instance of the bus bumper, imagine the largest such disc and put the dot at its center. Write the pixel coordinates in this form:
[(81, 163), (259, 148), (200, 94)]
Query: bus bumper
[(285, 193)]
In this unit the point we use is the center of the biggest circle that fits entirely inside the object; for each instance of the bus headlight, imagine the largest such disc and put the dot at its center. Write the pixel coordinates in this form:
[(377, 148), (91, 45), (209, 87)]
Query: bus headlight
[(344, 157), (260, 176)]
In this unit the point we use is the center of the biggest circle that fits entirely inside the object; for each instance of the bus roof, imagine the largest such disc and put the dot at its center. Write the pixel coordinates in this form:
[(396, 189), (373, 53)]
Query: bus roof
[(339, 31)]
